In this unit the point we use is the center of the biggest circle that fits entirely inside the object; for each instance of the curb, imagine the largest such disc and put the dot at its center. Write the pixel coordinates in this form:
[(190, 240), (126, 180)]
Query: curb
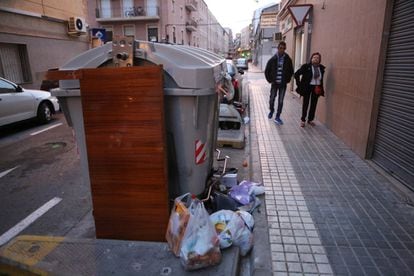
[(260, 258)]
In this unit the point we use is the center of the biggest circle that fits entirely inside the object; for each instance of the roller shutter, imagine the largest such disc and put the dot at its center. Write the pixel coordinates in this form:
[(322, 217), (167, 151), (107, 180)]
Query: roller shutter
[(394, 144)]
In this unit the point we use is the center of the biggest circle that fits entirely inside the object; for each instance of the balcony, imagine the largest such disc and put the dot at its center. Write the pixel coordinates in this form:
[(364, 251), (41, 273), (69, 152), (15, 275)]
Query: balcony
[(191, 5), (134, 13), (191, 25)]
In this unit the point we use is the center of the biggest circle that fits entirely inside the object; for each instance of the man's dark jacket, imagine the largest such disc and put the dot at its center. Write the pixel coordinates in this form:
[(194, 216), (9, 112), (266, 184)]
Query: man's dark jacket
[(303, 84), (271, 69)]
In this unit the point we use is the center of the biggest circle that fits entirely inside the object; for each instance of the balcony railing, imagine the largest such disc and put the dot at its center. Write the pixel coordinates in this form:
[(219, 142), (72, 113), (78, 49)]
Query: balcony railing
[(191, 5), (134, 12), (191, 25)]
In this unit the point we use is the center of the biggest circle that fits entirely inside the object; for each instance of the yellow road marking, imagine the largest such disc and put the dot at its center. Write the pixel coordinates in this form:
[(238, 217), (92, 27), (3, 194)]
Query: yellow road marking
[(29, 250)]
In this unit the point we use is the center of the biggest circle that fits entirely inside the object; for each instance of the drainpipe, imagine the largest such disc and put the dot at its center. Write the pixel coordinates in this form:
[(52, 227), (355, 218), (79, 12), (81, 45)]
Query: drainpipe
[(309, 38)]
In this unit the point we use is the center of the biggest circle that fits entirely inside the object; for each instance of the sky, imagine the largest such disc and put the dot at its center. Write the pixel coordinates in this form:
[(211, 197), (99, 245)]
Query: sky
[(235, 14)]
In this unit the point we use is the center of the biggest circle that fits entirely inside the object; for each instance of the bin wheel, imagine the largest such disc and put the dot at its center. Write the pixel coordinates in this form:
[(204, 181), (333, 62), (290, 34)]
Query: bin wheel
[(44, 113)]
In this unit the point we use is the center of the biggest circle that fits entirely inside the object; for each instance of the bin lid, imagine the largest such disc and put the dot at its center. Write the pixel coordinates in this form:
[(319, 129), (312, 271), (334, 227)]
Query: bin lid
[(189, 67)]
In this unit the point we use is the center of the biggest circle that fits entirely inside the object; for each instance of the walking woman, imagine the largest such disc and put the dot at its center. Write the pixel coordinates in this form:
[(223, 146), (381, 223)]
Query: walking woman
[(309, 81)]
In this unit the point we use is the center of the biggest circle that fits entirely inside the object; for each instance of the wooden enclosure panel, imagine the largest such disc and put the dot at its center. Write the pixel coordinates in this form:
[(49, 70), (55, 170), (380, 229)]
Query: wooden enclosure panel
[(123, 111)]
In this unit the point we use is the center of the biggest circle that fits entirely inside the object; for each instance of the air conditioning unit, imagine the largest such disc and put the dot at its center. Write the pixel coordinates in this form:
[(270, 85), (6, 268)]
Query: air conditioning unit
[(277, 36), (76, 25)]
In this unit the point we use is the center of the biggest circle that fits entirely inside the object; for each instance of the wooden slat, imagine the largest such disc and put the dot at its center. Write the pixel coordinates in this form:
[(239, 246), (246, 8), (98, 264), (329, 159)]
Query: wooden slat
[(123, 110)]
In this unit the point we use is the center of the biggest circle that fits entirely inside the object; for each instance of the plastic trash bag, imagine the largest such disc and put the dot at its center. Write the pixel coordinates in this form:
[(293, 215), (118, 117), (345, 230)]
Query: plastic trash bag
[(252, 205), (228, 225), (245, 192), (244, 241), (200, 244), (241, 194), (247, 218), (232, 230), (254, 187), (221, 201), (178, 223)]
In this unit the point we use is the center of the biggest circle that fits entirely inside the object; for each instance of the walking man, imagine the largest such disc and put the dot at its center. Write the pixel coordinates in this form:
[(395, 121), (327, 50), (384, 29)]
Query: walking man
[(278, 72)]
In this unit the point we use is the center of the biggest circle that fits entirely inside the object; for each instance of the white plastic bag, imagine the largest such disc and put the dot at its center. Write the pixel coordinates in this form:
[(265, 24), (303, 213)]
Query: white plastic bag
[(232, 229), (200, 244), (178, 223), (228, 225)]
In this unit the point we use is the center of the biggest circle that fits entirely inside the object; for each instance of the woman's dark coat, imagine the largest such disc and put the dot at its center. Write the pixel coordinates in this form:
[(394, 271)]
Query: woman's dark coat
[(303, 84), (271, 69)]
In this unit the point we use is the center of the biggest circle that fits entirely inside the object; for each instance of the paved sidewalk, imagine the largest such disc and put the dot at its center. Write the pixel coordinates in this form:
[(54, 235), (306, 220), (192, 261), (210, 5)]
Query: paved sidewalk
[(329, 212)]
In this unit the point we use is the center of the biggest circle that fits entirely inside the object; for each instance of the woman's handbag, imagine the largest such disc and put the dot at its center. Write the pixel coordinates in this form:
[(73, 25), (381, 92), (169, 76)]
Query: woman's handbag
[(318, 90)]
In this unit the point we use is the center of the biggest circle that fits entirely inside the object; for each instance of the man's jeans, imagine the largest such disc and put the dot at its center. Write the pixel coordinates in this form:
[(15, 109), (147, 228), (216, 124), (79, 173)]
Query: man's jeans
[(273, 93)]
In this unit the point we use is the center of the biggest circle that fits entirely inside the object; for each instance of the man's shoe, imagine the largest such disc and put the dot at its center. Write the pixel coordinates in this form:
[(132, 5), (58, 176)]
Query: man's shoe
[(270, 115), (302, 124), (311, 123), (278, 121)]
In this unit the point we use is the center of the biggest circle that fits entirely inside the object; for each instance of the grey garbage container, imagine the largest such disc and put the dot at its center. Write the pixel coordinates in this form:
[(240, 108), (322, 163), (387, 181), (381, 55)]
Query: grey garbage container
[(191, 114)]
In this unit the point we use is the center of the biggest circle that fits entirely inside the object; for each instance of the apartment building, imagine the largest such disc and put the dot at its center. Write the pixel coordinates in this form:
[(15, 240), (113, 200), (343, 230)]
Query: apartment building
[(367, 47), (186, 22), (38, 35), (264, 39), (245, 47)]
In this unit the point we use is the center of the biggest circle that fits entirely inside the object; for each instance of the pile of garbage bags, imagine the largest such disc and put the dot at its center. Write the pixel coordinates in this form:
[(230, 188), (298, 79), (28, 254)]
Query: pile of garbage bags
[(197, 237)]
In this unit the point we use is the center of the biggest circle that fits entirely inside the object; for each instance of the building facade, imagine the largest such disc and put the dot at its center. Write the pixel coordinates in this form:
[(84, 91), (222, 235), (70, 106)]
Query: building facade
[(185, 22), (265, 28), (244, 49), (367, 47), (35, 36), (231, 50)]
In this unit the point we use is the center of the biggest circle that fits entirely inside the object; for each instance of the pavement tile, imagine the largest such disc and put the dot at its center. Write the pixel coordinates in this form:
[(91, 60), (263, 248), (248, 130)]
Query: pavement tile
[(316, 249), (290, 248), (321, 259), (309, 268), (278, 256), (276, 247), (279, 266), (304, 249), (306, 258), (324, 268), (371, 270), (292, 257), (294, 267)]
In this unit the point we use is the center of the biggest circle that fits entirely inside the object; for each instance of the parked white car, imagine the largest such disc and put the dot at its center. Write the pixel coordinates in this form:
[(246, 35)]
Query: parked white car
[(18, 104)]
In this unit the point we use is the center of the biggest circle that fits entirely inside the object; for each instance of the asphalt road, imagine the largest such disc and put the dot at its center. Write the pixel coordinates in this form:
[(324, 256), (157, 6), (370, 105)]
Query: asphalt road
[(44, 164)]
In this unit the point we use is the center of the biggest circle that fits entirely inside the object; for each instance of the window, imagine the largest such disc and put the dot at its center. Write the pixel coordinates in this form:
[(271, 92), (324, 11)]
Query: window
[(14, 63), (181, 12), (174, 37), (182, 37), (106, 8), (128, 7), (6, 87), (173, 6), (108, 33), (129, 30), (153, 34)]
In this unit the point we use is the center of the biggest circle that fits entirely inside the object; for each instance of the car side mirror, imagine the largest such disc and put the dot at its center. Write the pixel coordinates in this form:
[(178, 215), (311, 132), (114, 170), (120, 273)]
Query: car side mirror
[(241, 71), (19, 89)]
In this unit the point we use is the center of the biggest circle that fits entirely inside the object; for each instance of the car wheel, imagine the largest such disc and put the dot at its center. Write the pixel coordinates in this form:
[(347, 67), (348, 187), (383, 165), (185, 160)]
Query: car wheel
[(44, 113)]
